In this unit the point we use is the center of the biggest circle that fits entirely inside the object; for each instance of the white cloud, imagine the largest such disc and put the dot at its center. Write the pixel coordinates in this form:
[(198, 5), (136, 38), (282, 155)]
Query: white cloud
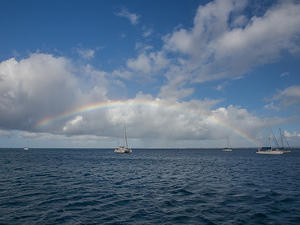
[(291, 138), (291, 134), (41, 86), (288, 96), (73, 123), (146, 117), (148, 63), (176, 85), (142, 63), (221, 86), (143, 47), (272, 106), (124, 74), (223, 43), (132, 17), (164, 119), (86, 53)]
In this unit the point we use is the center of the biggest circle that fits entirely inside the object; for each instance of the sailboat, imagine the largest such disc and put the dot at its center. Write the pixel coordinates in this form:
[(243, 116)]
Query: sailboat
[(123, 148), (269, 150), (227, 149), (26, 148)]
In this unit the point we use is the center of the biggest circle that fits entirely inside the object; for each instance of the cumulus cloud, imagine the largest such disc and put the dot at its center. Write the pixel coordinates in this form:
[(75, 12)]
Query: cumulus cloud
[(73, 123), (224, 43), (287, 97), (176, 86), (291, 134), (132, 17), (148, 63), (41, 86), (149, 118)]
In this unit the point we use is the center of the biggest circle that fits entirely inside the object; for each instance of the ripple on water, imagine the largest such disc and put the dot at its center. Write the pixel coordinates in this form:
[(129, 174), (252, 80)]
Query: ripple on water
[(58, 186)]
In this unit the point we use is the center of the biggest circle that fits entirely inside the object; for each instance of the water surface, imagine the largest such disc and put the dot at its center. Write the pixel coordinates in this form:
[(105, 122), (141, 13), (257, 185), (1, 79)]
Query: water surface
[(92, 186)]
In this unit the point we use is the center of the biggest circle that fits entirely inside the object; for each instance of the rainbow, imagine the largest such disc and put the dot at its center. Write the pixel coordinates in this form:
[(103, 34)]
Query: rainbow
[(239, 132), (136, 102), (97, 106)]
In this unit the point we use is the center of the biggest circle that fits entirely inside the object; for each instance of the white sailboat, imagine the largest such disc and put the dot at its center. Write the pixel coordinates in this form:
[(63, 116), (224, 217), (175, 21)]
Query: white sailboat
[(124, 148), (227, 149), (26, 148), (269, 150)]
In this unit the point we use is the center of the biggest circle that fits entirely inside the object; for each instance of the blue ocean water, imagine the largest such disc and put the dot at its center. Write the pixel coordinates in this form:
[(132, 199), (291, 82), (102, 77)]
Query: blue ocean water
[(90, 186)]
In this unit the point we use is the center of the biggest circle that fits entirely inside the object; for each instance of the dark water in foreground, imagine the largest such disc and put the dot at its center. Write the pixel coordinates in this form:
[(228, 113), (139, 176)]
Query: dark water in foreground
[(82, 186)]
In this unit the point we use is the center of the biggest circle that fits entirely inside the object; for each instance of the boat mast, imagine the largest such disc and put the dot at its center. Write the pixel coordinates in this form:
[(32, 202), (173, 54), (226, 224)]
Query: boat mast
[(281, 137), (227, 142), (270, 143), (125, 136), (274, 138)]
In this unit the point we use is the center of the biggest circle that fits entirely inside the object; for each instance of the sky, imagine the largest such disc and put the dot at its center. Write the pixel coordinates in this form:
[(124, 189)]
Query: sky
[(179, 74)]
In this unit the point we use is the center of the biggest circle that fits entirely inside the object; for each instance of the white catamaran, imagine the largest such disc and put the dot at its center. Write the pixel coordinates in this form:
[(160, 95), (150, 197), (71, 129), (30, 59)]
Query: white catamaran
[(123, 148)]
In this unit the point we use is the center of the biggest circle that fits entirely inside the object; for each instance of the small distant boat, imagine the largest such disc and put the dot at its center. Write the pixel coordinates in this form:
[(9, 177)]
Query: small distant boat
[(124, 148), (26, 148), (227, 149)]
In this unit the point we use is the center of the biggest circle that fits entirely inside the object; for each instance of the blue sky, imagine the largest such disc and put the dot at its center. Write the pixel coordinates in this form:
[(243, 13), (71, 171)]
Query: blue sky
[(178, 73)]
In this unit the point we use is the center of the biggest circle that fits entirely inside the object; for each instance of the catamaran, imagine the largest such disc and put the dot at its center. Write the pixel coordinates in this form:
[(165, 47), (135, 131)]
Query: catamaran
[(123, 148)]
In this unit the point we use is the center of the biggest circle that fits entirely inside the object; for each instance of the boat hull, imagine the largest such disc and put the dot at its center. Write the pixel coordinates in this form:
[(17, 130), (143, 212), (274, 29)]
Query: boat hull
[(122, 150), (271, 152)]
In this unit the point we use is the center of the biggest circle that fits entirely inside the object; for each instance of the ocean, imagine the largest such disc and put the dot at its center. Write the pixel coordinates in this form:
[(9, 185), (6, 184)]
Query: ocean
[(150, 186)]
